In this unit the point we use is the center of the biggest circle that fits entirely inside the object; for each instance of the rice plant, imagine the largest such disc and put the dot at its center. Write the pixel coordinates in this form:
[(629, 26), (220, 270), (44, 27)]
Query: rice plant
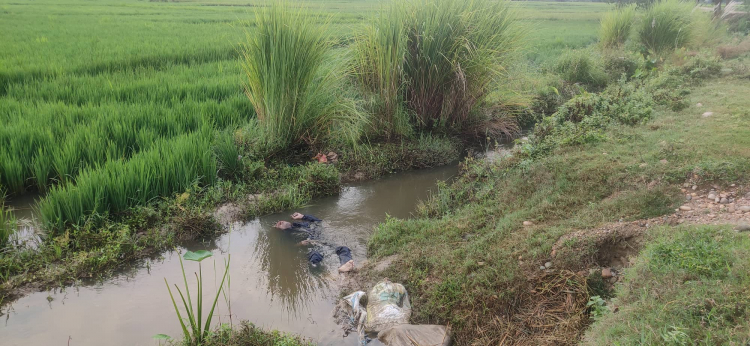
[(616, 25), (294, 81), (7, 222), (167, 168), (666, 26), (197, 331)]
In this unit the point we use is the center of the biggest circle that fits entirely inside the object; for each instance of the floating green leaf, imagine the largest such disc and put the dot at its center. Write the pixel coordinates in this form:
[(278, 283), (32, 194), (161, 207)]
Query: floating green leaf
[(162, 337), (197, 256)]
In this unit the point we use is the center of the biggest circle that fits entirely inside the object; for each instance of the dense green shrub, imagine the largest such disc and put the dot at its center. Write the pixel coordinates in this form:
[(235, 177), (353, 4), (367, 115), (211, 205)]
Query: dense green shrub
[(583, 67), (553, 94), (294, 81), (619, 63), (701, 65), (585, 117), (615, 26)]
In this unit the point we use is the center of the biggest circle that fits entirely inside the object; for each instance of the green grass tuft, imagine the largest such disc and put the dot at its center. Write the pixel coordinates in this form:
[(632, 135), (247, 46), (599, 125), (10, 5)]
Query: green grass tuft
[(666, 26), (615, 26), (294, 81)]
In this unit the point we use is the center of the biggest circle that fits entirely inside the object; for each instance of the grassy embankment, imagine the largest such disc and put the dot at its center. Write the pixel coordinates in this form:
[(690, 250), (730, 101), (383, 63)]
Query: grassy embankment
[(619, 152)]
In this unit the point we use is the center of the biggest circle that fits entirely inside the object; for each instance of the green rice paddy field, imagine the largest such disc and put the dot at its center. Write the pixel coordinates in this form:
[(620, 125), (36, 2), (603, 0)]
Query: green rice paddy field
[(91, 90)]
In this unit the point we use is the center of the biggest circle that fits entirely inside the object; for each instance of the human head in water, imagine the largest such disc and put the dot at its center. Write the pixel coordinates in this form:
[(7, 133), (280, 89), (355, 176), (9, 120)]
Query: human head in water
[(283, 225)]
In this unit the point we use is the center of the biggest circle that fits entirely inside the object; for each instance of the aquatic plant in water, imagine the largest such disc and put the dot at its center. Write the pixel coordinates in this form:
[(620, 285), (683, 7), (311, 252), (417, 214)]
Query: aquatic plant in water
[(197, 331)]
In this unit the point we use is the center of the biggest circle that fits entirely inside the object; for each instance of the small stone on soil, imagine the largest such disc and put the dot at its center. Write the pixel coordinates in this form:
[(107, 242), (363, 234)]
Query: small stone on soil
[(685, 208), (707, 114), (548, 265), (607, 273), (528, 223)]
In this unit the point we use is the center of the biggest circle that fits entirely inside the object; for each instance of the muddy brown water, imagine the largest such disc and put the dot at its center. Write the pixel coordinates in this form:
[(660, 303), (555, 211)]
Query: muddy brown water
[(272, 284)]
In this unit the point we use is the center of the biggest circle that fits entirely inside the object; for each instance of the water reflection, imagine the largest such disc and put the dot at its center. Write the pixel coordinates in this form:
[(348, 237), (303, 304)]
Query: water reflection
[(272, 283), (287, 276)]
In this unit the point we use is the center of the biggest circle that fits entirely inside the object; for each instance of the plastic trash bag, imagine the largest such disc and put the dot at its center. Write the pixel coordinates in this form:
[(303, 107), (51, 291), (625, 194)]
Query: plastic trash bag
[(351, 315), (387, 306)]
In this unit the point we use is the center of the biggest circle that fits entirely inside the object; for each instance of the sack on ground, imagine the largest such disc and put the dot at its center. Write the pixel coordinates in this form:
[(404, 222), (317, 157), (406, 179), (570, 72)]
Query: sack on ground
[(410, 335), (387, 306)]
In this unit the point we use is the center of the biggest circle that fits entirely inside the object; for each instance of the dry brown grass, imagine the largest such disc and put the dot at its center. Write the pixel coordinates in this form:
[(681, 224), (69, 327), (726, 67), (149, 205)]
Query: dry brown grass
[(731, 51), (551, 311)]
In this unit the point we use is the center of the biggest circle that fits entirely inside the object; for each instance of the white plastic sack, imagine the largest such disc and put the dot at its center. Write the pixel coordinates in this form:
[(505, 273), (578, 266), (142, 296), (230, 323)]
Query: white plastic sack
[(357, 314), (387, 306)]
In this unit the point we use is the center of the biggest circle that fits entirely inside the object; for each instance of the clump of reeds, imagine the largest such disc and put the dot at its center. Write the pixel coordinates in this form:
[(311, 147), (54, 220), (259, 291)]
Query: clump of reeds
[(437, 58), (380, 51), (616, 26), (294, 81), (666, 26)]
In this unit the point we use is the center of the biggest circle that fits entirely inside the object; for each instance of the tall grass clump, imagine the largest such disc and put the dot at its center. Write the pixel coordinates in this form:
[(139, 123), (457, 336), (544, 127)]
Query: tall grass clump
[(615, 26), (294, 81), (666, 26), (167, 168), (380, 51), (439, 58)]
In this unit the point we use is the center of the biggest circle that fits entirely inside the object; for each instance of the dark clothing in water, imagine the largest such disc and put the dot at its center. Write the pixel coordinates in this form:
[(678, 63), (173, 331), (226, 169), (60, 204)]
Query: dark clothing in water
[(312, 230), (310, 225), (314, 257), (310, 218), (345, 255)]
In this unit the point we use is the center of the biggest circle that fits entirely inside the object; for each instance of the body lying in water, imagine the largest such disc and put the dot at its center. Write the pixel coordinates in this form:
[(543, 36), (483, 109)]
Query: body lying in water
[(311, 226)]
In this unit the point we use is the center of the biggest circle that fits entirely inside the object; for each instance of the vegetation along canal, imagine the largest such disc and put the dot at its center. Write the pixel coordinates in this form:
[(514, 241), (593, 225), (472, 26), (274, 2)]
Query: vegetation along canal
[(272, 283)]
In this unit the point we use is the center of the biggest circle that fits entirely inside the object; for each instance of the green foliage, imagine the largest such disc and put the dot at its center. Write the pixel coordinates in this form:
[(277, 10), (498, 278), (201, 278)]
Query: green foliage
[(618, 63), (197, 331), (229, 157), (583, 67), (616, 25), (598, 307), (585, 117), (666, 26), (701, 65), (7, 223), (168, 167), (249, 334), (439, 56), (294, 82), (688, 286), (380, 52)]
